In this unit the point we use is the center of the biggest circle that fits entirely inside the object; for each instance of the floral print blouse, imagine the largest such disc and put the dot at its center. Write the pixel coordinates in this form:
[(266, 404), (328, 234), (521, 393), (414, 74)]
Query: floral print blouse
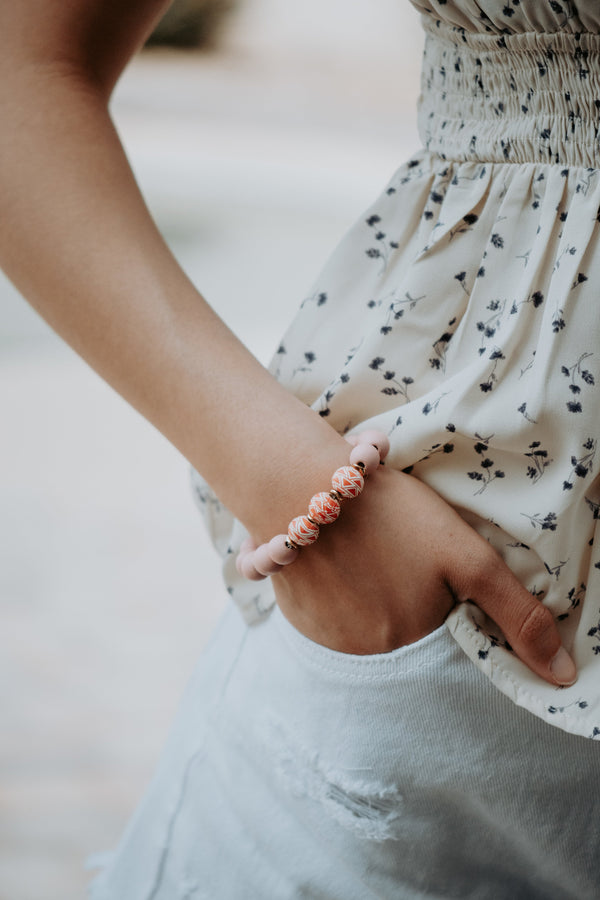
[(461, 315)]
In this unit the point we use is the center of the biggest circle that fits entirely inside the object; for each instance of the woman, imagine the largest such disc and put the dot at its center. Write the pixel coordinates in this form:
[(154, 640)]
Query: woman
[(345, 746)]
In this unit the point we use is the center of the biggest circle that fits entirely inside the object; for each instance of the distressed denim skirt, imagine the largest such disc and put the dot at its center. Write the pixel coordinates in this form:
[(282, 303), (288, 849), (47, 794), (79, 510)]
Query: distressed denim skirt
[(295, 771)]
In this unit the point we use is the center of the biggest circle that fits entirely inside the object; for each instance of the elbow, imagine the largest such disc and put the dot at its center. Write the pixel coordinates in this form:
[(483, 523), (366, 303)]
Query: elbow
[(88, 41)]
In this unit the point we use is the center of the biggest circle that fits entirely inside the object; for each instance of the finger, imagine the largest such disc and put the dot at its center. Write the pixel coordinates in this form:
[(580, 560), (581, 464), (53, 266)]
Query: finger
[(528, 626)]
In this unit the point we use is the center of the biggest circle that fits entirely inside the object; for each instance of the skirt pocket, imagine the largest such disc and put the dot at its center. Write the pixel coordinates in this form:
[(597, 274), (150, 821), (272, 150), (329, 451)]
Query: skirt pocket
[(368, 666)]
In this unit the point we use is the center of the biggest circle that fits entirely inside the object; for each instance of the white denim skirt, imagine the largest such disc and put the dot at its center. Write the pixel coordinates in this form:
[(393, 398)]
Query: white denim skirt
[(295, 771)]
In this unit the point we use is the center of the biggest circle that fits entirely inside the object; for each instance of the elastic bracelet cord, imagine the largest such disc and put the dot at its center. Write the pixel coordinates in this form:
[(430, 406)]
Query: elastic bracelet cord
[(257, 562)]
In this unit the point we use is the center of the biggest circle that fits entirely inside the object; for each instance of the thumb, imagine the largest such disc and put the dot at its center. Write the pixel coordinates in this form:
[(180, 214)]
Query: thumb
[(528, 625)]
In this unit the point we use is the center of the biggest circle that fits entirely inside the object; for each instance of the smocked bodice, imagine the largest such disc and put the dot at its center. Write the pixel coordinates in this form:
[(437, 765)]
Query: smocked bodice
[(512, 83), (505, 17)]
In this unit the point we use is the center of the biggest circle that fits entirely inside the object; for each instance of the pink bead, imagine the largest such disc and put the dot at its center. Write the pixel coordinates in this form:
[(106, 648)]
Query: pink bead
[(324, 508), (248, 569), (280, 552), (262, 561), (238, 563), (378, 439), (302, 531), (347, 481), (247, 546), (366, 454)]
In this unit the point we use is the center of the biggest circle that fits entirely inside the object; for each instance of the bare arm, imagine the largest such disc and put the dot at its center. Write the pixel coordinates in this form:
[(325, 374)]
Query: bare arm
[(77, 240)]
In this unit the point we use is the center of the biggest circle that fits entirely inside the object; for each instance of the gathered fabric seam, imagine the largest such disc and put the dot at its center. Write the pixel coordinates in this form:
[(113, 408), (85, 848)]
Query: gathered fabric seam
[(496, 666)]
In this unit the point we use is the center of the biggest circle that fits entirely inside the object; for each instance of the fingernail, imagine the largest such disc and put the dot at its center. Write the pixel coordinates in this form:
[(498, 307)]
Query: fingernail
[(563, 668)]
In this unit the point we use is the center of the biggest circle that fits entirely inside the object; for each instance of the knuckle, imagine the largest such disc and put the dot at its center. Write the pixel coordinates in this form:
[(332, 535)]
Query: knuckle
[(537, 625)]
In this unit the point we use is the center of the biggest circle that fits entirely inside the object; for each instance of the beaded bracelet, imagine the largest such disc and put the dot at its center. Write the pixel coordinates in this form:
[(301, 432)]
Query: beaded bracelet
[(369, 449)]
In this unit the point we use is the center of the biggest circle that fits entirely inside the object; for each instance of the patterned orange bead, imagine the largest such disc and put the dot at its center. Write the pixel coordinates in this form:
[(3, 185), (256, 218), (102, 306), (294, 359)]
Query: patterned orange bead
[(324, 508), (302, 531), (348, 482)]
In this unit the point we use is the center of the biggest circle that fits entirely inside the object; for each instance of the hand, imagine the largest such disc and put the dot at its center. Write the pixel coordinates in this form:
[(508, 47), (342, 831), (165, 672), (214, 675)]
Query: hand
[(391, 568)]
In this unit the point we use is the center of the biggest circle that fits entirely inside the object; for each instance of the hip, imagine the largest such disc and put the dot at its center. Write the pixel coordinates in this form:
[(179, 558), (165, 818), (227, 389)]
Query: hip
[(297, 771)]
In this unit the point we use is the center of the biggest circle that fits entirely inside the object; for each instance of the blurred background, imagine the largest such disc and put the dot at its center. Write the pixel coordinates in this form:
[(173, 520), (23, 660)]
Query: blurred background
[(258, 130)]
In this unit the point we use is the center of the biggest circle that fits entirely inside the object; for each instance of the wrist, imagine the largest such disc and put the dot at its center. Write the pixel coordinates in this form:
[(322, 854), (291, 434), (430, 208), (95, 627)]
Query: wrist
[(258, 560), (302, 468)]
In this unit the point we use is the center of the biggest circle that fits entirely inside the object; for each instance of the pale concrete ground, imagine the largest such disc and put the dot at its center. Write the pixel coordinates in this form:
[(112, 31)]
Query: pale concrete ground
[(254, 161)]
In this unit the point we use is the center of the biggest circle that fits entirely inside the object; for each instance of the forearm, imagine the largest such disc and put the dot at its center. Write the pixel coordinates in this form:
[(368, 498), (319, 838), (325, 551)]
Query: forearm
[(76, 238)]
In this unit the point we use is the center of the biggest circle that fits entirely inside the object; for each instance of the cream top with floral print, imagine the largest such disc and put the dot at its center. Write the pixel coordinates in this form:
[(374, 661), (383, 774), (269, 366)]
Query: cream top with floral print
[(461, 314)]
